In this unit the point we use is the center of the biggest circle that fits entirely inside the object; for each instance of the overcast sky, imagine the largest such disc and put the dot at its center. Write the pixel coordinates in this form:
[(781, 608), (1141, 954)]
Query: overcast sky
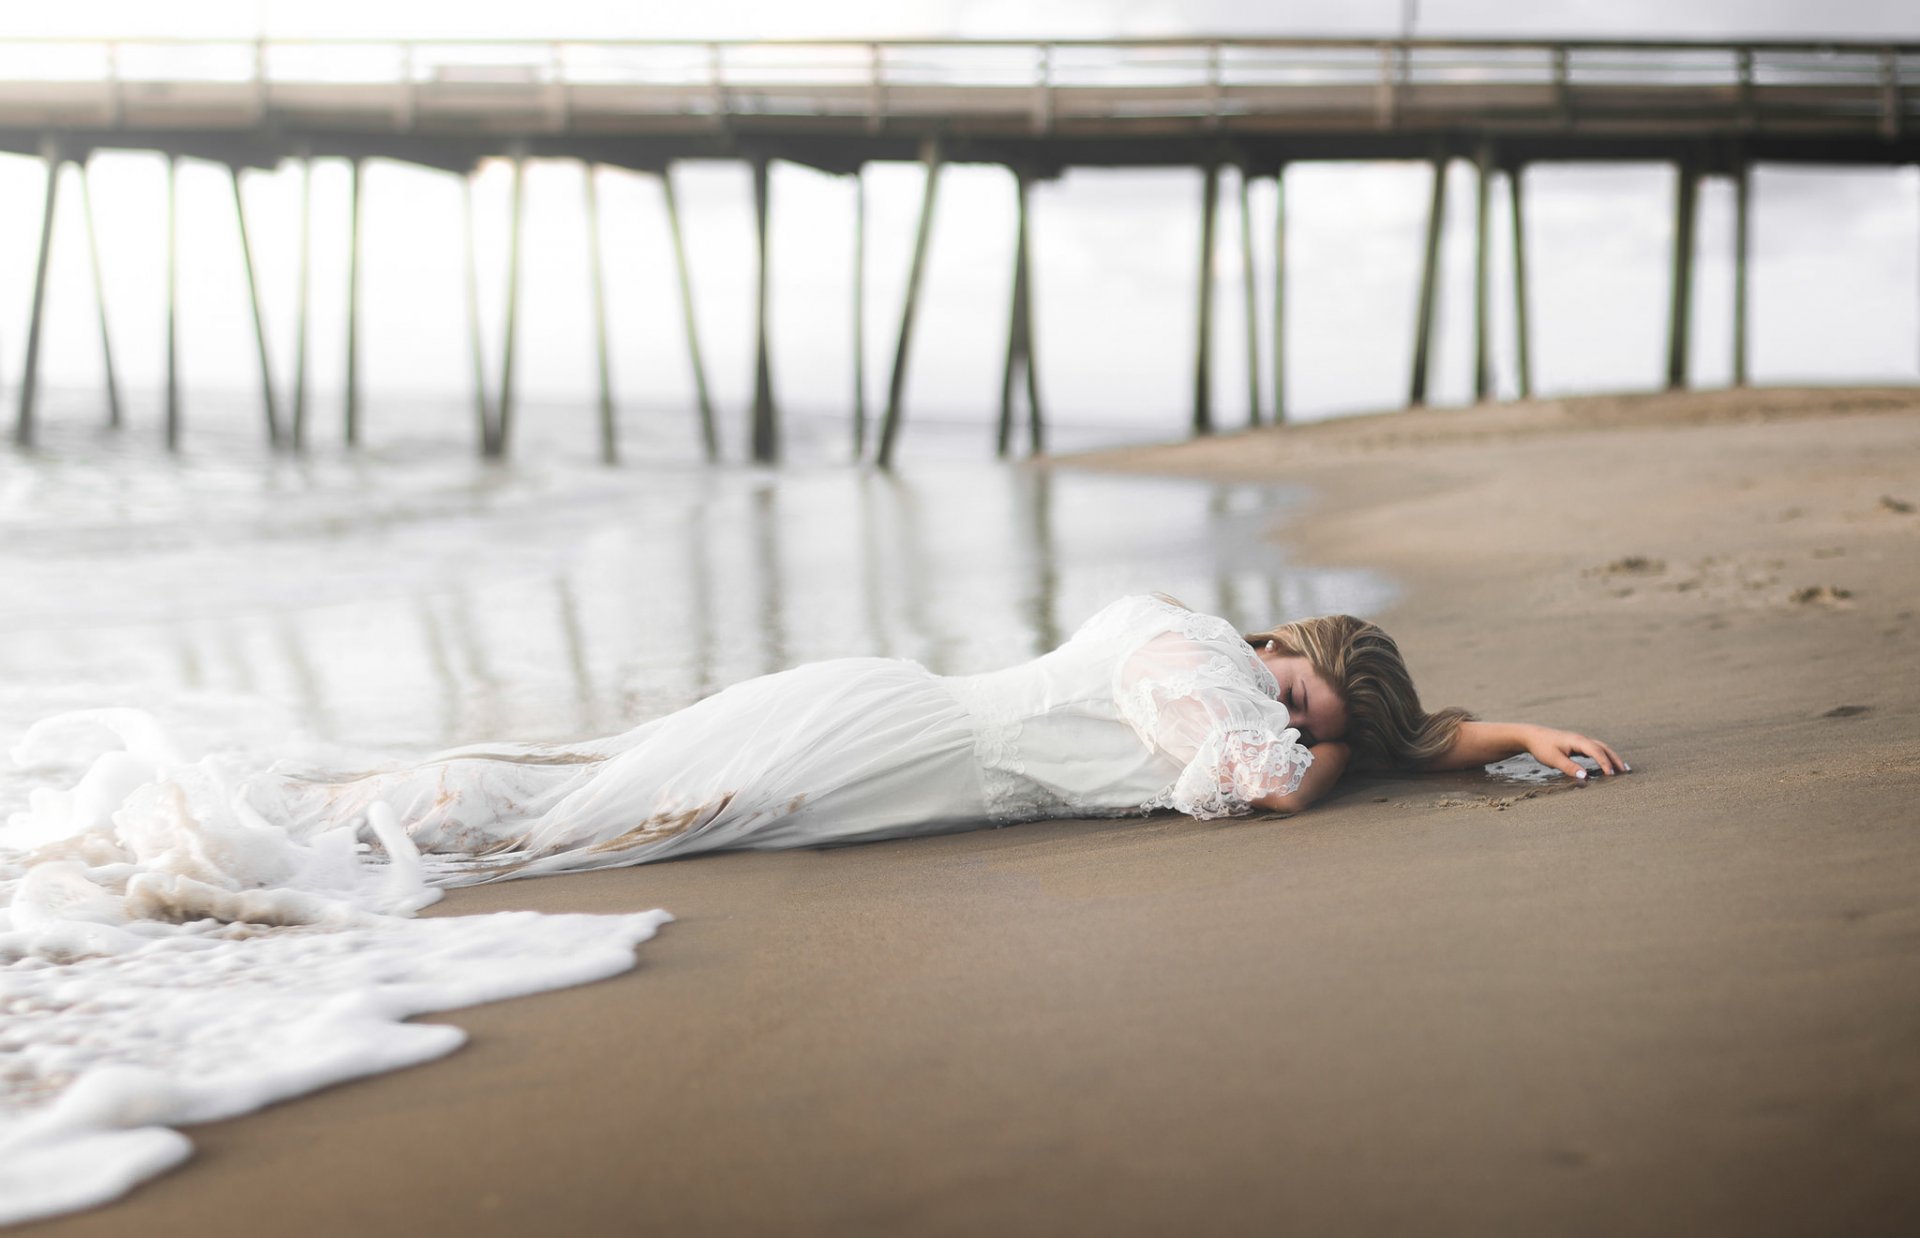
[(973, 18), (1836, 280)]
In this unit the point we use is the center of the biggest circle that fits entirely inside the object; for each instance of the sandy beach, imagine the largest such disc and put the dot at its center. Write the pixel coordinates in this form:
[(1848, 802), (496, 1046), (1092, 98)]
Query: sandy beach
[(1682, 1001)]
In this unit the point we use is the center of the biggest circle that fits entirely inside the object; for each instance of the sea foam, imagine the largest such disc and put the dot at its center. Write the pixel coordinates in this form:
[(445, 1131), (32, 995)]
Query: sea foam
[(169, 956)]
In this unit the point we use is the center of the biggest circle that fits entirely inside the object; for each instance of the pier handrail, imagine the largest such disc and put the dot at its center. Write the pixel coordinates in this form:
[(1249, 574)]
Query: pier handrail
[(815, 76), (1132, 41)]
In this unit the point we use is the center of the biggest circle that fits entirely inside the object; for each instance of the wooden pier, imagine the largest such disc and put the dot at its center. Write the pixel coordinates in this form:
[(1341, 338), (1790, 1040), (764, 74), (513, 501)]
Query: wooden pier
[(1036, 108)]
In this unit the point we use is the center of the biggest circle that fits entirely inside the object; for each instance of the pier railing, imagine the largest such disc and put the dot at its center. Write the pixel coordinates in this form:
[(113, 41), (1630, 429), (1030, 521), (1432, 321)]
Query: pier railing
[(1115, 85)]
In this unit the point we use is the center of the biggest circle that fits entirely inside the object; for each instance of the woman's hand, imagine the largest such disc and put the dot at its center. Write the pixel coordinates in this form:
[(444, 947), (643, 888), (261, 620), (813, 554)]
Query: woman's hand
[(1482, 743), (1557, 749), (1329, 762)]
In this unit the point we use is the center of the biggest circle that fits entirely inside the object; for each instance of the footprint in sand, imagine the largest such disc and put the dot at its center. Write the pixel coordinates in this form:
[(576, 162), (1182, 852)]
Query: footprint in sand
[(1847, 711), (1630, 565), (1820, 595), (1899, 507)]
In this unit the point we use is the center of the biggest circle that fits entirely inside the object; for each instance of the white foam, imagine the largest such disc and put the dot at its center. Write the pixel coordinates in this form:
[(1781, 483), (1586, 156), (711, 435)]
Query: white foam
[(168, 956)]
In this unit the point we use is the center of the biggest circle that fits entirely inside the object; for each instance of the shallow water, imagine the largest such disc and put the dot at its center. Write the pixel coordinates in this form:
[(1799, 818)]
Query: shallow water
[(223, 610), (410, 602), (1524, 771)]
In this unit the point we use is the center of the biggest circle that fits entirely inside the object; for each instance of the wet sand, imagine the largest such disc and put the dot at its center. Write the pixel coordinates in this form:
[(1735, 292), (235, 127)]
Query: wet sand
[(1685, 1000)]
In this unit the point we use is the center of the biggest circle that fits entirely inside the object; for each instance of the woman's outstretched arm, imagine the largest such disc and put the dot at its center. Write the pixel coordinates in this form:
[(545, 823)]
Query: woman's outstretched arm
[(1481, 743), (1476, 743)]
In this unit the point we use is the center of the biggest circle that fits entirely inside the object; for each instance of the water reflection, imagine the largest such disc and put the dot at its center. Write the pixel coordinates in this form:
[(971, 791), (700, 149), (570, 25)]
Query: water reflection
[(768, 585), (400, 608), (1033, 490), (583, 679)]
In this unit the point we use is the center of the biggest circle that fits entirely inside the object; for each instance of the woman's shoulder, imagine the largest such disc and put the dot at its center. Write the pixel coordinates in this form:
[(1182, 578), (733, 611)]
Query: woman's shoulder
[(1153, 634), (1146, 615)]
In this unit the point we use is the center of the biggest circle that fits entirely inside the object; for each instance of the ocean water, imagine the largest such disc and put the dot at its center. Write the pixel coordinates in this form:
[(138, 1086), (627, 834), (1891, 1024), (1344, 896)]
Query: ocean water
[(173, 627)]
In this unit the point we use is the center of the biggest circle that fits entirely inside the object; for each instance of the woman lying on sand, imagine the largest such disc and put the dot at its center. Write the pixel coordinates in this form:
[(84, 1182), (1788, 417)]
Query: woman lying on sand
[(1148, 706), (163, 878)]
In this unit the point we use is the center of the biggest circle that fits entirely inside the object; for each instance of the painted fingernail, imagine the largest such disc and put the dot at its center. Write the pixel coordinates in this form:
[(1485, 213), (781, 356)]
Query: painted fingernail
[(1579, 773), (1625, 766)]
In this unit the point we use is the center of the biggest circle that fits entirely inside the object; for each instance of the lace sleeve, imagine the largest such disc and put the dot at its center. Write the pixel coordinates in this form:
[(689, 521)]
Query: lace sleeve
[(1198, 694)]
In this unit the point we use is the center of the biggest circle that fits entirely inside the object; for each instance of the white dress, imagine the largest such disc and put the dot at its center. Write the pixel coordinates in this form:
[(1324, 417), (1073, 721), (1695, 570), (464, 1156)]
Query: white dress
[(1148, 706), (159, 879)]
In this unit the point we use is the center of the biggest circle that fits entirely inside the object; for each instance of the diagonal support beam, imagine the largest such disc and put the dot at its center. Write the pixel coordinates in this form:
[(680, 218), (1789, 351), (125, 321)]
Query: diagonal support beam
[(709, 434), (596, 275), (1036, 420), (476, 343), (297, 430), (23, 430), (932, 157), (1522, 311), (268, 402), (116, 415), (1429, 286), (503, 423)]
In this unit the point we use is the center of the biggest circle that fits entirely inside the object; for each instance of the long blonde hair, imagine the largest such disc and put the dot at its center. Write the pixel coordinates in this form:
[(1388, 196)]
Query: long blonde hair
[(1385, 723)]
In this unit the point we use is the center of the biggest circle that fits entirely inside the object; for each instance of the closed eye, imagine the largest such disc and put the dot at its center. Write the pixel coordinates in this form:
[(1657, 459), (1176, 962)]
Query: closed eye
[(1295, 712)]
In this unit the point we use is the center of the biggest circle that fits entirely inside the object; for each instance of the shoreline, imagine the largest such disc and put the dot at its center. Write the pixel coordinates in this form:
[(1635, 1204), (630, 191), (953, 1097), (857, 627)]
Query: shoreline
[(1682, 999)]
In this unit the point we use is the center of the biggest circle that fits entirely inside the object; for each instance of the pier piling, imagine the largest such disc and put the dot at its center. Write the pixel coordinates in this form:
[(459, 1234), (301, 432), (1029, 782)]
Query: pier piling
[(859, 313), (297, 430), (268, 404), (1036, 419), (476, 343), (1016, 322), (1429, 278), (116, 416), (516, 211), (596, 277), (1522, 344), (1742, 199), (30, 374), (1686, 194), (1280, 294), (173, 303), (1003, 437), (766, 438), (709, 434), (1482, 253), (352, 420), (932, 157), (1203, 343), (1251, 297)]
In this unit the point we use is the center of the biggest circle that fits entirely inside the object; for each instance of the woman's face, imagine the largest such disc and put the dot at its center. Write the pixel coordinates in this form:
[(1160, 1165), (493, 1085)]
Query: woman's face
[(1311, 702)]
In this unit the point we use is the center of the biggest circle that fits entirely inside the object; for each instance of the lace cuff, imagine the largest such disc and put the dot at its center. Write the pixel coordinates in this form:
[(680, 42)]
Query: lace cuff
[(1234, 768)]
